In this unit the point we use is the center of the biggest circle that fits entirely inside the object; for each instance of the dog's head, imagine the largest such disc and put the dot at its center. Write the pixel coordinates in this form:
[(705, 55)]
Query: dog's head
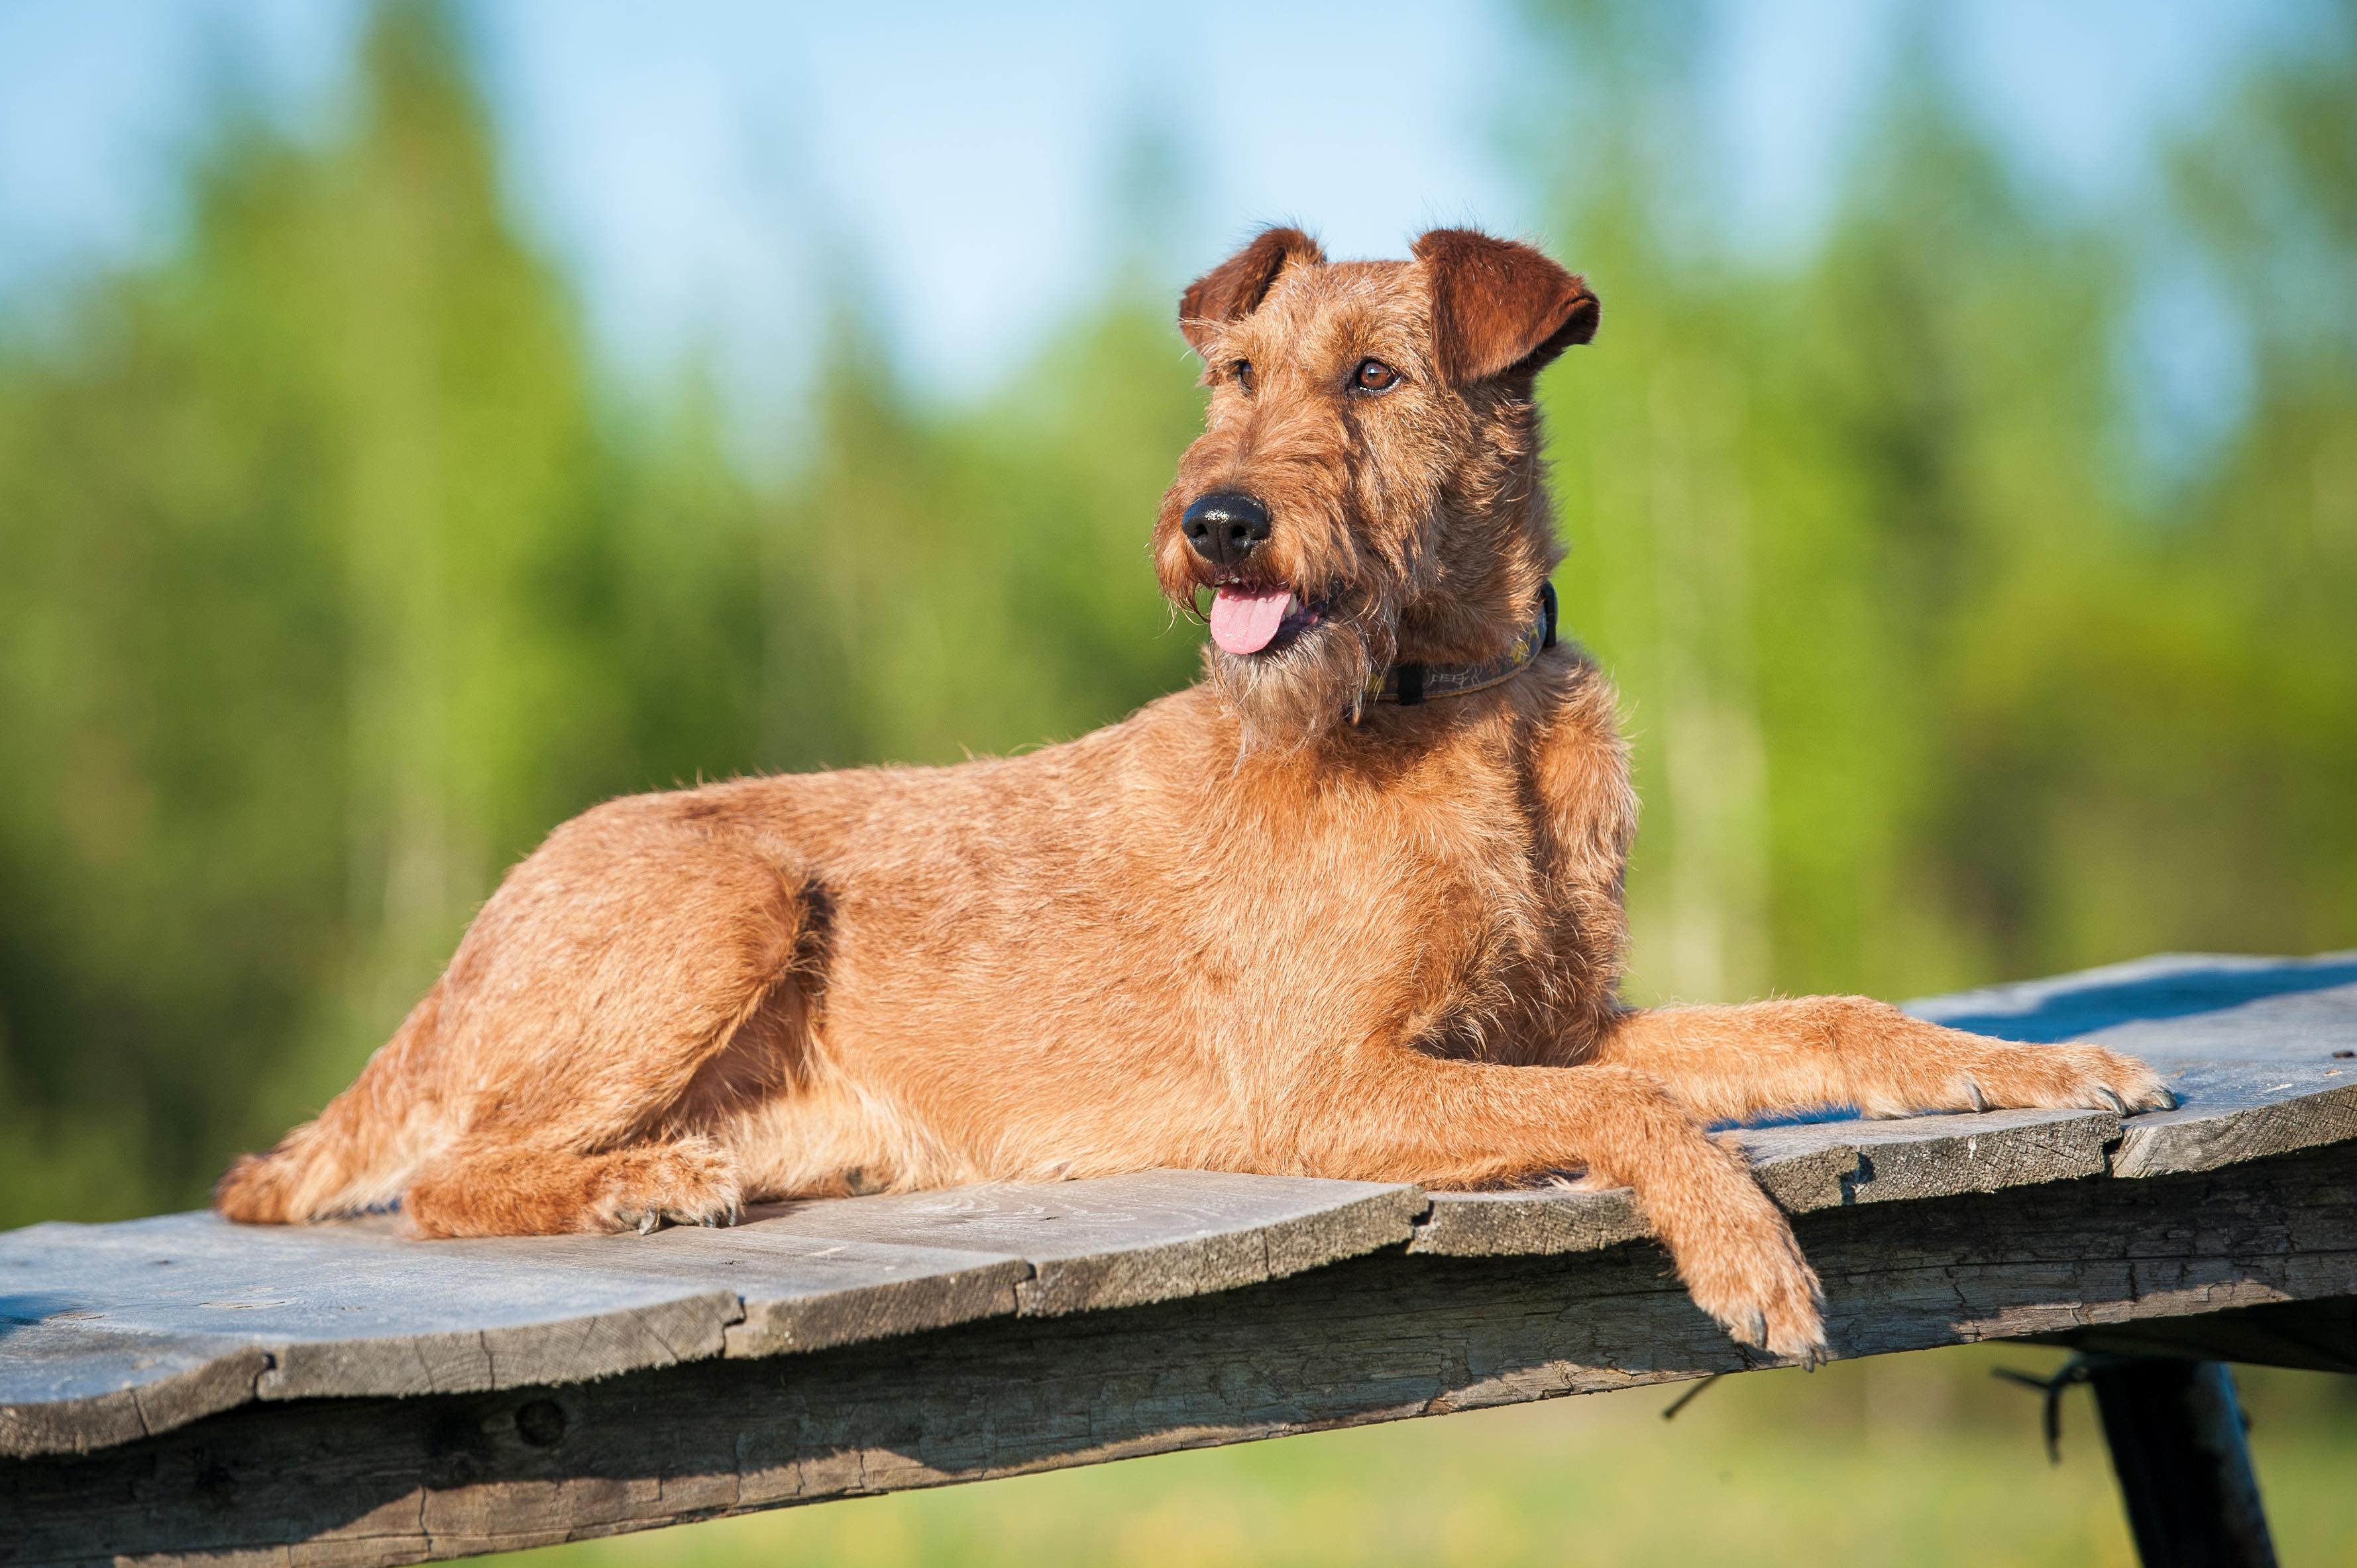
[(1366, 486)]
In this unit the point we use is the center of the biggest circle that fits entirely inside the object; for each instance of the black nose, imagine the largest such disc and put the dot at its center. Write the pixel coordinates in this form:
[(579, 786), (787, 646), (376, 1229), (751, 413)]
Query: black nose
[(1225, 526)]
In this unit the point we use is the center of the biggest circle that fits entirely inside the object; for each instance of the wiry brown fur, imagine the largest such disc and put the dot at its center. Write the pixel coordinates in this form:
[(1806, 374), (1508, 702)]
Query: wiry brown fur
[(1258, 926)]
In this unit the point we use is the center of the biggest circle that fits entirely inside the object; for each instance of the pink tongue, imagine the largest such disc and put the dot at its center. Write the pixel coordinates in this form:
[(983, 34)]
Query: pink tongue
[(1243, 622)]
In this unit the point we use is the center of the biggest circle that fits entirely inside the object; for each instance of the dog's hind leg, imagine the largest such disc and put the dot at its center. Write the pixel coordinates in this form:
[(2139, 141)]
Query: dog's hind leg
[(499, 1181), (628, 987), (1404, 1116), (1815, 1051)]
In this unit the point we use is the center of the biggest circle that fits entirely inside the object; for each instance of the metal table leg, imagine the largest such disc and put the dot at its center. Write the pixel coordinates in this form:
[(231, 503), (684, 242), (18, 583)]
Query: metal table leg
[(2175, 1429)]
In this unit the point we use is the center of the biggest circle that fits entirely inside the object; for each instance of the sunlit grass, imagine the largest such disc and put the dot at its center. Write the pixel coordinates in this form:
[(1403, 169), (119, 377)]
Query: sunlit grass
[(1905, 1460)]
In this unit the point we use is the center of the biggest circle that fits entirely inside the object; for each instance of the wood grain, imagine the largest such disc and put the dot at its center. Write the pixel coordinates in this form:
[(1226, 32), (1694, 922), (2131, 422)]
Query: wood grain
[(108, 1332), (1385, 1335), (1125, 1241), (1805, 1167), (2235, 1111)]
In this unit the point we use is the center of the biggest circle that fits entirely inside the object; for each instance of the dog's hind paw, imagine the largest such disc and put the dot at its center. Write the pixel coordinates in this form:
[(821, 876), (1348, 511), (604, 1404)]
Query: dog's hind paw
[(255, 1190), (690, 1181)]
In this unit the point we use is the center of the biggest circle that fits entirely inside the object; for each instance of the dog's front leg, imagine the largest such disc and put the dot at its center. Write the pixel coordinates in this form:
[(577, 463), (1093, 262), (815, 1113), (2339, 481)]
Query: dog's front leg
[(1816, 1051), (1404, 1116)]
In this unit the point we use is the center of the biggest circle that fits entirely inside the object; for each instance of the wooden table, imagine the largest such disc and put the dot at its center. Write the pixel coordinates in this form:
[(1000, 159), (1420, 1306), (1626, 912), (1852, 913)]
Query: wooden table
[(176, 1389)]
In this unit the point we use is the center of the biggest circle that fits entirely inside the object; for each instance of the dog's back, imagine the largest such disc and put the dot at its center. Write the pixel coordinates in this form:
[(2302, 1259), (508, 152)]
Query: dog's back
[(925, 976)]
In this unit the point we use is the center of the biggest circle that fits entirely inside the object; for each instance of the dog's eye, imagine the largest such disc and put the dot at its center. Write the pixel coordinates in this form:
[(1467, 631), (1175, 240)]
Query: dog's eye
[(1244, 374), (1373, 376)]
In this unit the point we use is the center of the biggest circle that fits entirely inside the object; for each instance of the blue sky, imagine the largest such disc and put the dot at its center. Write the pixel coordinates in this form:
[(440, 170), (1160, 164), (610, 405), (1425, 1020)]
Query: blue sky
[(695, 166)]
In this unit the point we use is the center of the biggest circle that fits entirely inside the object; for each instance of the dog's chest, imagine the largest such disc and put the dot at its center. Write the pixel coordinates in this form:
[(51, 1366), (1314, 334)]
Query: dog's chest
[(1362, 913)]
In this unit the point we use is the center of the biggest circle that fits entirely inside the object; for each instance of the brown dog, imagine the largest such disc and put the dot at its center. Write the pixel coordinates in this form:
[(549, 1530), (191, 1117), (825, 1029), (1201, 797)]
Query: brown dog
[(1351, 906)]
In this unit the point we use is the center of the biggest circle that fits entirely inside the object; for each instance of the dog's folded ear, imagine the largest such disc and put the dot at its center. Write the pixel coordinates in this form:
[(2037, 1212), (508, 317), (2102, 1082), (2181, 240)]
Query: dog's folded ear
[(1234, 289), (1500, 308)]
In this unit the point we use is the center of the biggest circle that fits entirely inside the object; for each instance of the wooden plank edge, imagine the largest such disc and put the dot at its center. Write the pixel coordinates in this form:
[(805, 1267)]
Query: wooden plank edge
[(1830, 1165), (116, 1416), (562, 1350), (1889, 1160), (1806, 1168), (1374, 1340), (791, 1324), (2185, 1144), (1835, 1165), (710, 1324), (1205, 1265)]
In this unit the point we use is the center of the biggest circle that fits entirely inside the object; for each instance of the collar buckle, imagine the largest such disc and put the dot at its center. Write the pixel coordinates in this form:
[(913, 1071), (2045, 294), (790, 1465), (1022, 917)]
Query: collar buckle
[(1413, 683)]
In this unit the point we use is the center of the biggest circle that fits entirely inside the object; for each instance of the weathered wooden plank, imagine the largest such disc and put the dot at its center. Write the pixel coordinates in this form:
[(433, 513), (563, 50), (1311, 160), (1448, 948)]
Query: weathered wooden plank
[(2232, 1112), (1929, 1156), (182, 1315), (797, 1292), (1804, 1166), (366, 1482), (2262, 1051), (1129, 1239), (1539, 1221), (356, 1309), (65, 1390), (103, 1341), (332, 1309), (2219, 1006)]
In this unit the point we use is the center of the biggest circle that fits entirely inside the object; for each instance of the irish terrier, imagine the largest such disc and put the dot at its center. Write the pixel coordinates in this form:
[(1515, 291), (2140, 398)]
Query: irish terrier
[(1348, 907)]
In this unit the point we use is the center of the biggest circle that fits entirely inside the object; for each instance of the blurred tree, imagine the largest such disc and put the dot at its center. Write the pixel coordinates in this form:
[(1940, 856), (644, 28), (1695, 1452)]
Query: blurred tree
[(318, 557), (1925, 687), (172, 649), (463, 494)]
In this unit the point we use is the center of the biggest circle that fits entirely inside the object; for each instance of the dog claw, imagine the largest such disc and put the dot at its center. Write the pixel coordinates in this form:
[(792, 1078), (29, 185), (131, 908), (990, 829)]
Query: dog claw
[(2169, 1100), (2111, 1098), (647, 1221), (1980, 1100)]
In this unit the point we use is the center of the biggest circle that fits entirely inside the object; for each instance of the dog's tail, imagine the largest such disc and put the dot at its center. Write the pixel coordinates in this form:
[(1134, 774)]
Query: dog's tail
[(360, 1151)]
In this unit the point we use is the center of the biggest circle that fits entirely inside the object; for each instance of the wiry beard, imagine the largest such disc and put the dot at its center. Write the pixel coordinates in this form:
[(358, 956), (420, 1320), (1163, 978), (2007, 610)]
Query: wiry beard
[(1285, 700)]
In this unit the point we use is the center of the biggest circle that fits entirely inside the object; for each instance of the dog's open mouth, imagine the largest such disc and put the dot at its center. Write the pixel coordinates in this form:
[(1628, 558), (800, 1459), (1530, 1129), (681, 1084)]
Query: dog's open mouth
[(1247, 620)]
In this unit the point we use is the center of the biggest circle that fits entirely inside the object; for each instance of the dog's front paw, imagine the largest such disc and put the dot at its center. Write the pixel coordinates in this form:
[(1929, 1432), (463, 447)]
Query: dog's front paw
[(1763, 1292), (2074, 1077), (690, 1181)]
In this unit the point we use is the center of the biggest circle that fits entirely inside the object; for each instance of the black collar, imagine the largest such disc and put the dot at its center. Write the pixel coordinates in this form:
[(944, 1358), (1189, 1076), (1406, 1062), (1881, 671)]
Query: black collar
[(1408, 684)]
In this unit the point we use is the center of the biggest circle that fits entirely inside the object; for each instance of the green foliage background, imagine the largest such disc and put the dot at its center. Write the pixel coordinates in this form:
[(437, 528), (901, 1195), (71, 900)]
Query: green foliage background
[(332, 575)]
